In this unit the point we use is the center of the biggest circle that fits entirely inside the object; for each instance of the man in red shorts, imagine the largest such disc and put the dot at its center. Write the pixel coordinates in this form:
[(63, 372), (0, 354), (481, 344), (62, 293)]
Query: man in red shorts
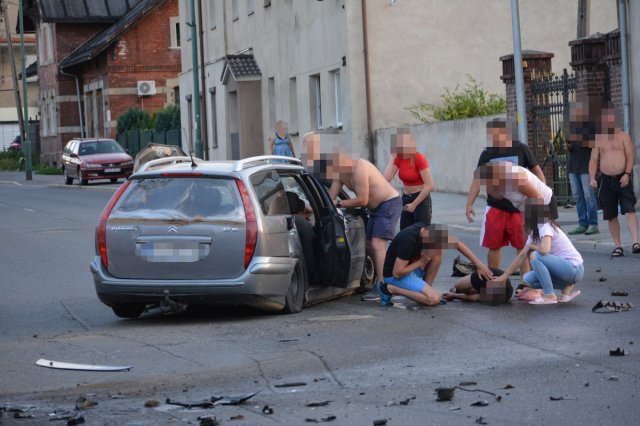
[(502, 224)]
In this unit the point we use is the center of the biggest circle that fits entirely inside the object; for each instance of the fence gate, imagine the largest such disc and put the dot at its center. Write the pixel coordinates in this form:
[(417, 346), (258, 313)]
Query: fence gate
[(551, 95)]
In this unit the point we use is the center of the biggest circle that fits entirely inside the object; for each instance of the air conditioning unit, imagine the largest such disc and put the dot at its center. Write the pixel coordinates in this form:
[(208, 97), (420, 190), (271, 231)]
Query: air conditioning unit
[(146, 88)]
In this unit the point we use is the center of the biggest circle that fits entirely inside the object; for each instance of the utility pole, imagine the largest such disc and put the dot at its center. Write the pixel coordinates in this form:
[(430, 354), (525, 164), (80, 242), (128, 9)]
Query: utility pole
[(517, 65), (196, 82), (26, 143), (14, 72), (203, 98), (583, 18)]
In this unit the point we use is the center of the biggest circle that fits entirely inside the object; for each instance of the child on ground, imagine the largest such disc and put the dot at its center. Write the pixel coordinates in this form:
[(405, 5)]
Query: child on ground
[(474, 288)]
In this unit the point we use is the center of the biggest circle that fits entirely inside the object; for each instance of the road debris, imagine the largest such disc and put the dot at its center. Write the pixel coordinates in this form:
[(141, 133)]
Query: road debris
[(481, 421), (295, 339), (322, 420), (445, 394), (208, 421), (81, 367), (560, 398), (151, 403), (403, 402), (291, 384), (21, 415), (238, 417), (617, 352), (508, 386), (319, 404), (267, 410), (207, 403), (15, 408), (480, 404), (468, 384), (602, 279), (83, 403), (619, 293), (605, 306), (234, 399), (613, 379), (599, 269), (380, 422)]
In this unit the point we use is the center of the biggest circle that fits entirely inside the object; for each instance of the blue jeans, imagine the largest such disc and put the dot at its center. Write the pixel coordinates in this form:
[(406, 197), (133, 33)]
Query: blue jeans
[(585, 199), (551, 271)]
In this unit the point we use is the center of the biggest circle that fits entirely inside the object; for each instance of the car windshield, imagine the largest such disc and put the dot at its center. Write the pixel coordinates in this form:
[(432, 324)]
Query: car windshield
[(180, 198), (100, 147)]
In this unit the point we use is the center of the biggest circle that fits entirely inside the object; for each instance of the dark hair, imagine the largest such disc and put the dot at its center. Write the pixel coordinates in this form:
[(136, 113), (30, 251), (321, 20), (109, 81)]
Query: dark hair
[(505, 123), (535, 213)]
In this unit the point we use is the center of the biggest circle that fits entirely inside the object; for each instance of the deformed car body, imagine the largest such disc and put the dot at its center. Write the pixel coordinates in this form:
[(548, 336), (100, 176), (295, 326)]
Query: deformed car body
[(254, 232), (91, 159)]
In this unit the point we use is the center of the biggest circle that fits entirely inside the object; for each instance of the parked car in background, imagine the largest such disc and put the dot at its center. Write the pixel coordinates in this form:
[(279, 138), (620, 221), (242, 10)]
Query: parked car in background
[(91, 159), (16, 144), (250, 232)]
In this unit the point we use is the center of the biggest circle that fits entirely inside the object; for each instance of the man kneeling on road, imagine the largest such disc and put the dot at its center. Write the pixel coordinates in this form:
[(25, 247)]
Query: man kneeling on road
[(413, 260)]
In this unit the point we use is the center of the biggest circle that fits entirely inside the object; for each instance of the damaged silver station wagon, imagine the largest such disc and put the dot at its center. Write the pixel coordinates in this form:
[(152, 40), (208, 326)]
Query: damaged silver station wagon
[(259, 231)]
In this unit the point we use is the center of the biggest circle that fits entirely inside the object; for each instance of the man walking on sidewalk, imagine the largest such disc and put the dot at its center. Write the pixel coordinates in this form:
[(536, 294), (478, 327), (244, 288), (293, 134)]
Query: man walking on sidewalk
[(613, 157), (581, 140)]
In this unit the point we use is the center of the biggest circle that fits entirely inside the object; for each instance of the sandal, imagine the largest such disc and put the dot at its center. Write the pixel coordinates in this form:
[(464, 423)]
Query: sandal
[(635, 248), (544, 301), (569, 297), (617, 252)]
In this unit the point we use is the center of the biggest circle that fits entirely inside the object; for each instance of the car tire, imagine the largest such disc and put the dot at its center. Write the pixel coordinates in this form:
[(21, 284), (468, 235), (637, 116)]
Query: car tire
[(67, 179), (81, 179), (368, 274), (294, 299), (128, 310), (114, 180)]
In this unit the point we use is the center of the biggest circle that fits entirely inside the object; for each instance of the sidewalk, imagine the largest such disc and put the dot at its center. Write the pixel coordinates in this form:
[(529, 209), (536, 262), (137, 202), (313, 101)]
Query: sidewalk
[(449, 209), (19, 179)]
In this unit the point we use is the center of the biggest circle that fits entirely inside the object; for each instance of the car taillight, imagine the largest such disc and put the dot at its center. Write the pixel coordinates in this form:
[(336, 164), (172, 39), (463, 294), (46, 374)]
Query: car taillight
[(101, 231), (252, 224)]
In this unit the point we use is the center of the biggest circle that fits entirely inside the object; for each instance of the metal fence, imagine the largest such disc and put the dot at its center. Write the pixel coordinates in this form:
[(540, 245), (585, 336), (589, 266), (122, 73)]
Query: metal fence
[(135, 140), (551, 95)]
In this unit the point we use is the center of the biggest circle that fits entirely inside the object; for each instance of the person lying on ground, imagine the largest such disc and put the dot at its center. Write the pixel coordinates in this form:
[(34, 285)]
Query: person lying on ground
[(474, 288), (555, 262), (413, 260)]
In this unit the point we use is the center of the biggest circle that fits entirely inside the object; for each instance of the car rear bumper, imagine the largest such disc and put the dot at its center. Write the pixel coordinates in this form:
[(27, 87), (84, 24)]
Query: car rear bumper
[(264, 285)]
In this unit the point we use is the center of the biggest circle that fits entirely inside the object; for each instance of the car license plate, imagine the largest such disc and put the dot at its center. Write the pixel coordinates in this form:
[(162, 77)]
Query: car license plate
[(172, 252), (112, 170)]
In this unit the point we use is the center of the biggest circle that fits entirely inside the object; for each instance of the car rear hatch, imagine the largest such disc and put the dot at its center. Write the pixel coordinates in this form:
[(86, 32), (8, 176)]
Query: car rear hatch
[(177, 227)]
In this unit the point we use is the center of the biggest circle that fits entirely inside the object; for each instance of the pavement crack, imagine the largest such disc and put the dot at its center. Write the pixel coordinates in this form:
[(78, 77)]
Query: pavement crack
[(262, 374), (326, 366), (74, 316), (156, 347)]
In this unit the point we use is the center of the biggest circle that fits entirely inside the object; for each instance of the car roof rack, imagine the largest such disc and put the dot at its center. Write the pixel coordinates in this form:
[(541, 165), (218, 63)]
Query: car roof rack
[(265, 159), (167, 160)]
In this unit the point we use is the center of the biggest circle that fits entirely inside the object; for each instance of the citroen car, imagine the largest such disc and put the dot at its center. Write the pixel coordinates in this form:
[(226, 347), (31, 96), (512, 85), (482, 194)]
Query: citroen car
[(91, 159)]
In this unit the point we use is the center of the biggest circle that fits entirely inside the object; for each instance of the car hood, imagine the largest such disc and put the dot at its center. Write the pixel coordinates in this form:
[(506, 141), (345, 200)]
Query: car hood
[(107, 158)]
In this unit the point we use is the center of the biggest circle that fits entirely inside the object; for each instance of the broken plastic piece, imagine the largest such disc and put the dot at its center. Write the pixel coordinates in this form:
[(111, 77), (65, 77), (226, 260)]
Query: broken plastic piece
[(380, 422), (481, 421), (619, 293), (319, 404), (403, 402), (617, 352), (15, 408), (480, 404), (445, 394), (234, 399), (291, 385), (200, 404), (238, 417), (508, 386), (468, 383), (602, 279), (81, 367), (289, 340), (208, 421), (267, 410), (607, 306), (324, 419)]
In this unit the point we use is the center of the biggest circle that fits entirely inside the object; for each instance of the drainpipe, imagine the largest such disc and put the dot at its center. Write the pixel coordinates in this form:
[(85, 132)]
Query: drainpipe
[(82, 135), (372, 153), (624, 65), (203, 98)]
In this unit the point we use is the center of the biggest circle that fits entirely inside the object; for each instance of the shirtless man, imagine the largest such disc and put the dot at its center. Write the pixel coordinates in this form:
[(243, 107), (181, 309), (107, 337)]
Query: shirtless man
[(613, 157), (372, 191)]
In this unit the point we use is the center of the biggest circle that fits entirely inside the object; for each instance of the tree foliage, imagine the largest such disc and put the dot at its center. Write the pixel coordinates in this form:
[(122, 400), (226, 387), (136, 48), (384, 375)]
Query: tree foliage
[(471, 101), (134, 119), (168, 118)]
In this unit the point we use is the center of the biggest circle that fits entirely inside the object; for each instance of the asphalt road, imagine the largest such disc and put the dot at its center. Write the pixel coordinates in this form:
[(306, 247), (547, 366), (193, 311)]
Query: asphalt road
[(372, 363)]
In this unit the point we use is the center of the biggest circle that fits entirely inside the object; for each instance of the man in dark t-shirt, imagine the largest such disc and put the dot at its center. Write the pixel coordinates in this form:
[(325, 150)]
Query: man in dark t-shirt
[(412, 262), (582, 135), (502, 223)]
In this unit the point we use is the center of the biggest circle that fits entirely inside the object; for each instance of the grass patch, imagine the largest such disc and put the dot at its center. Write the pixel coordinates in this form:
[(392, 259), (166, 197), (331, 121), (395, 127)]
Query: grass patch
[(47, 170), (11, 161)]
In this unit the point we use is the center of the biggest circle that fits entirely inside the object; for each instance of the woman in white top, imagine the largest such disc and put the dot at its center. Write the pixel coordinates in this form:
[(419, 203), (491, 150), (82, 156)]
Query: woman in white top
[(555, 262)]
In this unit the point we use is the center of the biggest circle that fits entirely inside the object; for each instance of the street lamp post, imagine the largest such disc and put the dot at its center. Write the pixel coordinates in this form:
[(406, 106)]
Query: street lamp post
[(196, 82), (517, 65), (26, 145)]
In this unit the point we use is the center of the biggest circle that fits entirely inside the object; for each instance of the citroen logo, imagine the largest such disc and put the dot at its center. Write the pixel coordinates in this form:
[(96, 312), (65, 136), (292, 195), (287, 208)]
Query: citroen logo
[(173, 229)]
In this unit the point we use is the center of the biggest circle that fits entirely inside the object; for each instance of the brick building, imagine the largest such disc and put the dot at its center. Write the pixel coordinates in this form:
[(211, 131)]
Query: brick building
[(98, 59)]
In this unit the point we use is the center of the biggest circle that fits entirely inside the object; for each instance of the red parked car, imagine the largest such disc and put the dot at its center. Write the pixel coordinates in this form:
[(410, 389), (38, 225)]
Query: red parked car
[(90, 159)]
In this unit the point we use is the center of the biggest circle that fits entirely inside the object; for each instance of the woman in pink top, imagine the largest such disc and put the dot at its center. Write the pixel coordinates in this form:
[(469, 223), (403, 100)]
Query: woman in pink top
[(413, 170)]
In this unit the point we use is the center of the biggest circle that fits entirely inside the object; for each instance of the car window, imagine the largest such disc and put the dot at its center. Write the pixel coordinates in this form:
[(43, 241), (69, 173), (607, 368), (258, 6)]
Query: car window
[(270, 191), (297, 197), (183, 198), (108, 147), (87, 148)]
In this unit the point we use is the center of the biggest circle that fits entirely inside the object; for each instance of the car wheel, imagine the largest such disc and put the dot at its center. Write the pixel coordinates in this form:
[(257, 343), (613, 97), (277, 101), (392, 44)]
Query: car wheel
[(114, 180), (368, 274), (67, 180), (128, 310), (294, 300), (81, 178)]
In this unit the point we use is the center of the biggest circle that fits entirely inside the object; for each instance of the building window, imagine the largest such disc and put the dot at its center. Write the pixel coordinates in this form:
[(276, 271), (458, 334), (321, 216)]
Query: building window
[(315, 97), (251, 5), (213, 14), (293, 105), (271, 95), (335, 76), (174, 31), (235, 13)]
